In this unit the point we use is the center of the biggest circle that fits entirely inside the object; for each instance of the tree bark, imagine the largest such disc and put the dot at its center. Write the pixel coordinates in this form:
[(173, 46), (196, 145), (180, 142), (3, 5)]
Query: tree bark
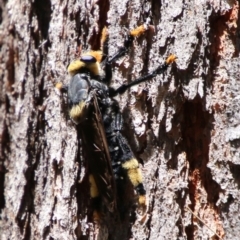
[(183, 125)]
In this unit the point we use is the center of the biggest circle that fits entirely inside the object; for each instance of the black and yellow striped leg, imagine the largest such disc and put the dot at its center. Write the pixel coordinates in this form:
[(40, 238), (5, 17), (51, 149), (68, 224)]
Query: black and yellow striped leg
[(128, 42), (122, 156), (135, 175), (107, 62), (162, 68)]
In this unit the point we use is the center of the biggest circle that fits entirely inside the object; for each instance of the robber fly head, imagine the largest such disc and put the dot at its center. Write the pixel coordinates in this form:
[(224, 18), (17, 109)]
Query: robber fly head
[(79, 88)]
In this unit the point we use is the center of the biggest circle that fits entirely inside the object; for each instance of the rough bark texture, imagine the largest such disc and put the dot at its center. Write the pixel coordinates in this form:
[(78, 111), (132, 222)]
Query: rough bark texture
[(183, 125)]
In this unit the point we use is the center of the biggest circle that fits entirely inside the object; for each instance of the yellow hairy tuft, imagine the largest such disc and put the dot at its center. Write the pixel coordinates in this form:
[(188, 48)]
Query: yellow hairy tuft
[(138, 31), (96, 54), (93, 187), (59, 85), (76, 111), (75, 66), (133, 171), (135, 176), (142, 200), (104, 35), (171, 58), (132, 163)]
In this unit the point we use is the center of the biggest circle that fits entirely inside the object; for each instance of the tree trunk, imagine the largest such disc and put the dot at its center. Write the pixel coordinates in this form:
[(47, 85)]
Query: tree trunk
[(183, 125)]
